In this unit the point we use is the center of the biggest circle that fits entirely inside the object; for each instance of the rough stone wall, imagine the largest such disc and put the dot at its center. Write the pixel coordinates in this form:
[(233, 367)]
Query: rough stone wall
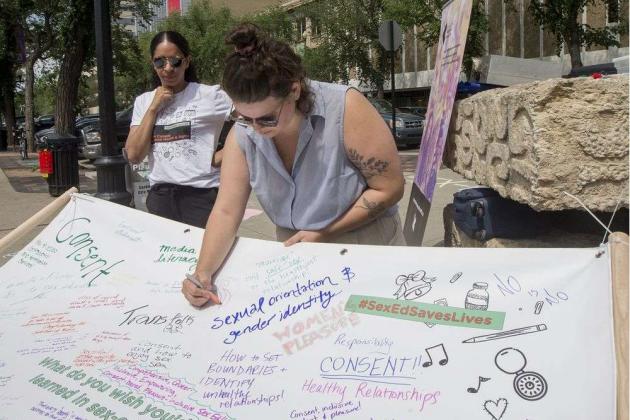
[(532, 142)]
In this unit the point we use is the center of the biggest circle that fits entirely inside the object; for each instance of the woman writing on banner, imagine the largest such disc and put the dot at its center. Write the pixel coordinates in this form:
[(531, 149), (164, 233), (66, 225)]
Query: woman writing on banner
[(178, 125), (321, 160)]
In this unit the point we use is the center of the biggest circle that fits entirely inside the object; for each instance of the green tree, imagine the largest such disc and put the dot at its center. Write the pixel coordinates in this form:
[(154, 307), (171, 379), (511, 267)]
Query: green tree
[(475, 41), (44, 92), (76, 50), (349, 39), (134, 72), (275, 21), (132, 64), (563, 18), (426, 16), (70, 23), (36, 23), (75, 45), (9, 62), (355, 23), (205, 28), (320, 64)]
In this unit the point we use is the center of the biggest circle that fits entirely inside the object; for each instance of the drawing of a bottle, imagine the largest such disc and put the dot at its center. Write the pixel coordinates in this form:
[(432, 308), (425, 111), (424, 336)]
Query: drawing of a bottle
[(477, 297)]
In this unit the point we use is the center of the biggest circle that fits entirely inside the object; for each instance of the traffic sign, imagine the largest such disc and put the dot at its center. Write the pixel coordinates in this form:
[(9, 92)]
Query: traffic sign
[(390, 35)]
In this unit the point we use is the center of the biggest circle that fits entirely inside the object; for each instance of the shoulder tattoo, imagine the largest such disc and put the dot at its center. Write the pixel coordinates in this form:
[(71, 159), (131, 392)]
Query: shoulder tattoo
[(369, 167)]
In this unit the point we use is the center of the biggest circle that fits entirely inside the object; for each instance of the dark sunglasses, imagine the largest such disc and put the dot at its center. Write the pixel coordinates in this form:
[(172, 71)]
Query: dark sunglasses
[(264, 121), (160, 62)]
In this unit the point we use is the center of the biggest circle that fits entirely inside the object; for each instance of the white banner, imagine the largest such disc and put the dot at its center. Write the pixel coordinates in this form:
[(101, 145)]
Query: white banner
[(93, 325)]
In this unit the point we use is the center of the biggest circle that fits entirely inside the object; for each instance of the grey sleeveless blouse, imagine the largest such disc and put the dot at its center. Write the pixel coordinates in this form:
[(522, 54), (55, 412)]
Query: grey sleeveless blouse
[(323, 183)]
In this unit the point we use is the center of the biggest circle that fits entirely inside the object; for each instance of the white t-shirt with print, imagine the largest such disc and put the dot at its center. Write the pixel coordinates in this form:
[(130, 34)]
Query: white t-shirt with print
[(185, 135)]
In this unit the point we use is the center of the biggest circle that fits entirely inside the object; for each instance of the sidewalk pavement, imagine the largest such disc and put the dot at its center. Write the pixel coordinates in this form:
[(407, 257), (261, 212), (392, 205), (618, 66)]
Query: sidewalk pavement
[(23, 192)]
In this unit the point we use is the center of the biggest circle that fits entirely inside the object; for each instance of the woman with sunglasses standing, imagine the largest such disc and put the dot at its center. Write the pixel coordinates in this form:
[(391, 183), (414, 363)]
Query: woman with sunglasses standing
[(178, 125), (319, 157)]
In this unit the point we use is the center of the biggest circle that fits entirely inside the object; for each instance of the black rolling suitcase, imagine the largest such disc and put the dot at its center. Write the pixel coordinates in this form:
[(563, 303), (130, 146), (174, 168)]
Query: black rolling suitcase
[(483, 214)]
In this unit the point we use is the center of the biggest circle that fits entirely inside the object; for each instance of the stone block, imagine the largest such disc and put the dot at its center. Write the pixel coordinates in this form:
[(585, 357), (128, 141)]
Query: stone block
[(532, 142)]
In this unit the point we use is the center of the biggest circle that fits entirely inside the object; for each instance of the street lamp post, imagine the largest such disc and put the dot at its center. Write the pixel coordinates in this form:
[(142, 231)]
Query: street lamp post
[(110, 166)]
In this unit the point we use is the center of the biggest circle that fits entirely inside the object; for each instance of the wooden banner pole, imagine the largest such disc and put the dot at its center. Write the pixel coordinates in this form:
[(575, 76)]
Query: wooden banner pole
[(38, 218), (619, 263)]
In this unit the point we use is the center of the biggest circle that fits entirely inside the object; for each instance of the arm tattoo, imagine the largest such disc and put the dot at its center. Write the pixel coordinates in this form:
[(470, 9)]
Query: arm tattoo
[(374, 208), (368, 167)]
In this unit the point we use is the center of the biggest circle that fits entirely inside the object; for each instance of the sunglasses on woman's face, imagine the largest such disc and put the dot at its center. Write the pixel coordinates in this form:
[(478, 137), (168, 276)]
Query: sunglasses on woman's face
[(266, 121), (160, 62)]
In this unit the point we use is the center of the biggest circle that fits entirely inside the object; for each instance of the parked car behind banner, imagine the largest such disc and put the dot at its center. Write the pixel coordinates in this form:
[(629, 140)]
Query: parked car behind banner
[(415, 110), (408, 126), (42, 135)]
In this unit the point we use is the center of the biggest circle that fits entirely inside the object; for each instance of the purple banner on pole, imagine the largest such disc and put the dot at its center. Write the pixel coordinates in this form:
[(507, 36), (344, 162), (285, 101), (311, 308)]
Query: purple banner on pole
[(453, 33)]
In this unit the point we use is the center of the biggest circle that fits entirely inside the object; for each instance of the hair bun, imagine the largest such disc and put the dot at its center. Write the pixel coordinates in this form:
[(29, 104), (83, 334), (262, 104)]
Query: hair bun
[(245, 38)]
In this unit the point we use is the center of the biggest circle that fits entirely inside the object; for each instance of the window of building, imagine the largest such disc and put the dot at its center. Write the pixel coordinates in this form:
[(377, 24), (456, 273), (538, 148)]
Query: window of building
[(300, 28), (612, 15), (316, 27)]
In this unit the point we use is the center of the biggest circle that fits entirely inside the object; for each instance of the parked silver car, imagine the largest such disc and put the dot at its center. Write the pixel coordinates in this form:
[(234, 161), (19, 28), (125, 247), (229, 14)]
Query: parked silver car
[(409, 127), (90, 147), (81, 122)]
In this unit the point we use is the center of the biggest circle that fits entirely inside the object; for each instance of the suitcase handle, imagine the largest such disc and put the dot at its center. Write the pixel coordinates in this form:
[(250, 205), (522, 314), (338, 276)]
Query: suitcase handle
[(476, 209), (480, 235)]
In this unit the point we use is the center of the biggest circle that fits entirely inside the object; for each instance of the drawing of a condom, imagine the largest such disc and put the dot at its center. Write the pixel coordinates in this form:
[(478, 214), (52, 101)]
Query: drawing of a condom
[(530, 386)]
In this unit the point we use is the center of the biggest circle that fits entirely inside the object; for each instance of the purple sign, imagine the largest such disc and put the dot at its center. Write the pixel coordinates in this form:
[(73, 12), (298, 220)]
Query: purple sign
[(453, 32)]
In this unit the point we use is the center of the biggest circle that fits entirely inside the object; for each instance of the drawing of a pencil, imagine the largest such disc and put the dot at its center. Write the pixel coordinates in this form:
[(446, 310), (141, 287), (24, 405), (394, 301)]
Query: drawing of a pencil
[(508, 333)]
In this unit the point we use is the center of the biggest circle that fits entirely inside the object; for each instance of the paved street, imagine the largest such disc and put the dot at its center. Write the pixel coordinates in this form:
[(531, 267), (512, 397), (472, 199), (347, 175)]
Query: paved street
[(23, 192)]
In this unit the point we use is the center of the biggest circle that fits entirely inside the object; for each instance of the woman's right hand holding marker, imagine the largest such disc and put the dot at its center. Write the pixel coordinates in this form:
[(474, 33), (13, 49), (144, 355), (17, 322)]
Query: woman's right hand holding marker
[(197, 288)]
